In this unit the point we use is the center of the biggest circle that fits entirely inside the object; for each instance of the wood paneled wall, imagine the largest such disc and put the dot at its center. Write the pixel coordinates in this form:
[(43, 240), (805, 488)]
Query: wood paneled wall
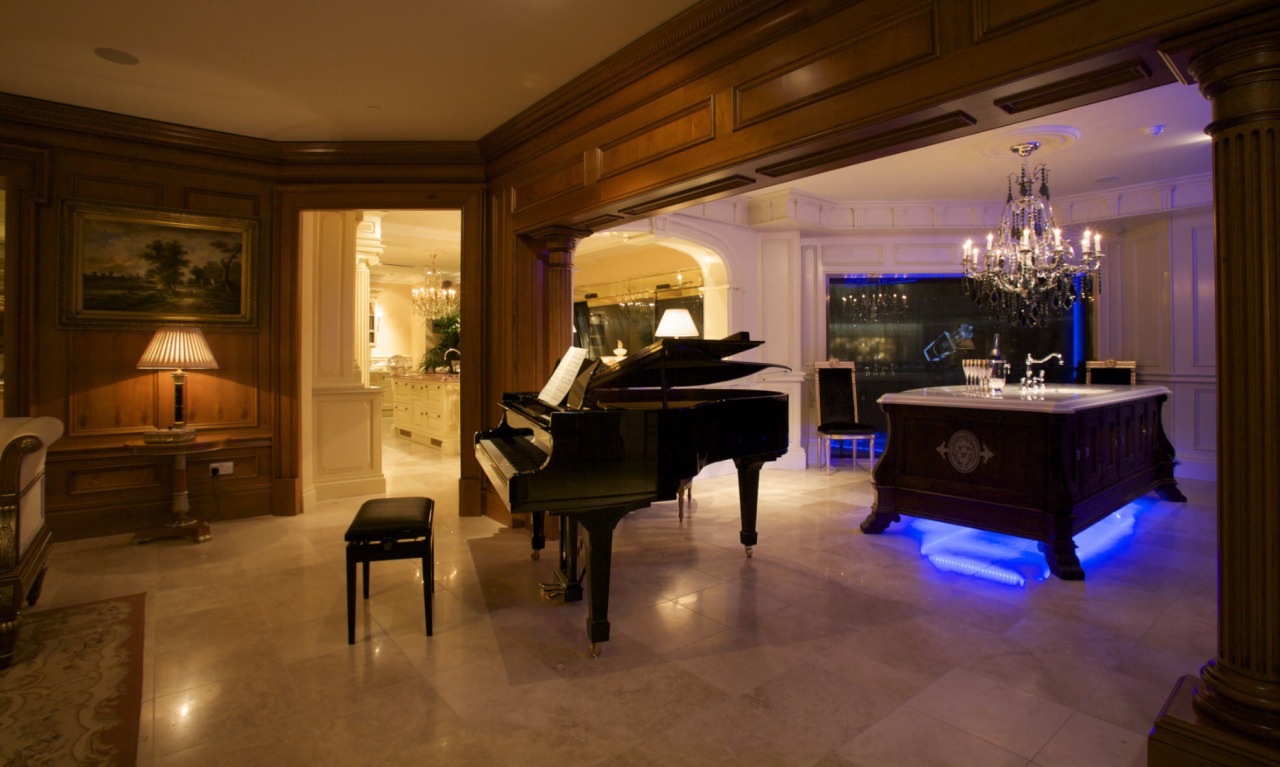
[(86, 376), (730, 96), (737, 95)]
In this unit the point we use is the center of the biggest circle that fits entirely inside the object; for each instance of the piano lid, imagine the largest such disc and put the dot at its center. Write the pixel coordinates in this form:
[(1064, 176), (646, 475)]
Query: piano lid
[(673, 362)]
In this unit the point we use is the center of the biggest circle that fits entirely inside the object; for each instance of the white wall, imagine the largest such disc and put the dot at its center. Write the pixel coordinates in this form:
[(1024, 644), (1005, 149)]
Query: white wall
[(341, 418), (401, 330), (1156, 306), (752, 284)]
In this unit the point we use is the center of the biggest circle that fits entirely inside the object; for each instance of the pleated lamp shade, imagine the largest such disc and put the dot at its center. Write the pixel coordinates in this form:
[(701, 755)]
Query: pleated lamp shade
[(178, 348), (676, 323)]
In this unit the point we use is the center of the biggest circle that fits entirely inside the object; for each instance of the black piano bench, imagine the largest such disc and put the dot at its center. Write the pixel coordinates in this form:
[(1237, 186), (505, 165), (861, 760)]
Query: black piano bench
[(390, 528)]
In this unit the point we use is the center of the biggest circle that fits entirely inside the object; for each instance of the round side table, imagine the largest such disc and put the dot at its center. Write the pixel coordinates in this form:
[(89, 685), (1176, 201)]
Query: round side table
[(181, 526)]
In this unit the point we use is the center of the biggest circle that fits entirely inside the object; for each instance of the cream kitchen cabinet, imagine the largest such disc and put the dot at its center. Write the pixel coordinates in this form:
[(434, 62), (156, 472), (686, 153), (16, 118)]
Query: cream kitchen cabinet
[(426, 410), (382, 380)]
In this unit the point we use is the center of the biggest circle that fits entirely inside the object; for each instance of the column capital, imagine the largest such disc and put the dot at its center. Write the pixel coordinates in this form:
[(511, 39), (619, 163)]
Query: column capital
[(1226, 39), (555, 244)]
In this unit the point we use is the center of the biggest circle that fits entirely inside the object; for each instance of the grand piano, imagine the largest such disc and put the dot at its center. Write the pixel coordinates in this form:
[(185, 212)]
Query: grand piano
[(627, 435)]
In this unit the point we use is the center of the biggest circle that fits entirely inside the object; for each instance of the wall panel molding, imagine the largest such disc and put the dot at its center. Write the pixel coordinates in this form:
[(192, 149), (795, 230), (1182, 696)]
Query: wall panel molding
[(683, 129), (567, 177), (1205, 418), (806, 211), (994, 18), (219, 201), (874, 52), (1204, 299)]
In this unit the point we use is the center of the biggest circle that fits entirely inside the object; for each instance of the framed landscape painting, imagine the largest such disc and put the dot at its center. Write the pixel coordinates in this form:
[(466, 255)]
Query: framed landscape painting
[(125, 265)]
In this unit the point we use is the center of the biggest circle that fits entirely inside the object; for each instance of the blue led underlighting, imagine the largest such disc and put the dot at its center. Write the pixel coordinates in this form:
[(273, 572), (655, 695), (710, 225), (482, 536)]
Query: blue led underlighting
[(966, 566), (1010, 560)]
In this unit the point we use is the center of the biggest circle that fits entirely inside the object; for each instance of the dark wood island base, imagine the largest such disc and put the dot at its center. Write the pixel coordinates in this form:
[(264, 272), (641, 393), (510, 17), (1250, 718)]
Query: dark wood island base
[(1042, 466)]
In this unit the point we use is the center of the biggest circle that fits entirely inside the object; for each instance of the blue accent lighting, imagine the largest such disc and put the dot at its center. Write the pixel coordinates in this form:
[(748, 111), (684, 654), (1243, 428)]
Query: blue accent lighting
[(1078, 328), (1013, 561)]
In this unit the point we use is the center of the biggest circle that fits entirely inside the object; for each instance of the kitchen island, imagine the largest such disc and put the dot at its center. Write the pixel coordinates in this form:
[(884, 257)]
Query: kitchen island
[(426, 409), (1042, 464)]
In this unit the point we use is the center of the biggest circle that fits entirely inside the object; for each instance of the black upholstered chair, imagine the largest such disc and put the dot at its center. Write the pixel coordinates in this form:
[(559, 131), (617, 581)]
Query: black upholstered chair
[(1111, 372), (837, 397), (390, 528)]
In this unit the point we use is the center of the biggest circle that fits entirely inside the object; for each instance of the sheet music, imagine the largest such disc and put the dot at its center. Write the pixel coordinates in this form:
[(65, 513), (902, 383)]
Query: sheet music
[(558, 385)]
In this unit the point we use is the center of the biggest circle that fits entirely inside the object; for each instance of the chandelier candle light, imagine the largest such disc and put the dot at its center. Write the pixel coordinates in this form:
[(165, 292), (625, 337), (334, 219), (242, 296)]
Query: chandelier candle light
[(874, 304), (437, 297), (1028, 273)]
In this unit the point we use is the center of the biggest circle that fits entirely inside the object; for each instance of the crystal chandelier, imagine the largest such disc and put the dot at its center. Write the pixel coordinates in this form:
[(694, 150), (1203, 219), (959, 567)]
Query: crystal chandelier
[(1028, 274), (437, 297), (873, 303)]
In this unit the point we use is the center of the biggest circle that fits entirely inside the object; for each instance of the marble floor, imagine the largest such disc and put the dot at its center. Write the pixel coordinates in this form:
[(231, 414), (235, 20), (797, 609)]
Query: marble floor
[(827, 648)]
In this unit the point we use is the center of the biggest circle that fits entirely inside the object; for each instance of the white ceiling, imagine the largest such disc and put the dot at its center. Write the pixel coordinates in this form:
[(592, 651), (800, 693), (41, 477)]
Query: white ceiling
[(320, 70), (447, 70), (411, 237), (1133, 140)]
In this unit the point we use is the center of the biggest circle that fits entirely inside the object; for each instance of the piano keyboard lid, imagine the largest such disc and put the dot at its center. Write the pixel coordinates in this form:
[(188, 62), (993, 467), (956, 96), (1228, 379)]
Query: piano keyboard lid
[(674, 362)]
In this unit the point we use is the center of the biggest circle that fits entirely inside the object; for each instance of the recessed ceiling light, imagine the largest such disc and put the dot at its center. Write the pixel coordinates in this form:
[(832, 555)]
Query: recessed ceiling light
[(373, 108), (1153, 130), (116, 56)]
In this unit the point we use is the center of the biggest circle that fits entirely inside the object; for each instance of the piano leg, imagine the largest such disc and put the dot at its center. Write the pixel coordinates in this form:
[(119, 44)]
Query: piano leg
[(748, 494), (539, 525), (684, 492), (599, 526)]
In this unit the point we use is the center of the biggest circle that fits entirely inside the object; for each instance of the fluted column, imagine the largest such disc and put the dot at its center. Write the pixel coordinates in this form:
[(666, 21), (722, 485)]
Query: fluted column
[(1241, 687), (1234, 712), (555, 246), (368, 253)]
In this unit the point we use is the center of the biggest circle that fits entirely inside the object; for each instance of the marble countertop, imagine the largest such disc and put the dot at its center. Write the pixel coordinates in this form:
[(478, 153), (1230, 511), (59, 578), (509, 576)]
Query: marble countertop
[(443, 377), (1064, 398)]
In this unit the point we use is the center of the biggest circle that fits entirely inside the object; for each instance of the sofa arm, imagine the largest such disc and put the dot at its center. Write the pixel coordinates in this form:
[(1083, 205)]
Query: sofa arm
[(23, 445)]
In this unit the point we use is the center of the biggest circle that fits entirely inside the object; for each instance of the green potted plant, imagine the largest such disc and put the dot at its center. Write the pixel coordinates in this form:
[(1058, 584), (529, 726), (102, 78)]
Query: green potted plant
[(444, 330)]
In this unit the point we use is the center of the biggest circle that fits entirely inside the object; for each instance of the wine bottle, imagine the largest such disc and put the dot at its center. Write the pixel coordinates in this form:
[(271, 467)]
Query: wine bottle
[(998, 369)]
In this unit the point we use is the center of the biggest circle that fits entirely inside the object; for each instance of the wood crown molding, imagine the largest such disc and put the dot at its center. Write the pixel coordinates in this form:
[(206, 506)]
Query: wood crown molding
[(684, 33), (37, 113)]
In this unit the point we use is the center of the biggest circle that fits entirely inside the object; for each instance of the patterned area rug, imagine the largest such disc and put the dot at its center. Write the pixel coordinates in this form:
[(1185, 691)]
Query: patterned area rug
[(73, 693)]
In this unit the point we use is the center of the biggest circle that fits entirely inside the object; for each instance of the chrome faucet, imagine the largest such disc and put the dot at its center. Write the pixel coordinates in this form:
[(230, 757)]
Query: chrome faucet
[(1044, 359), (457, 355), (1028, 378)]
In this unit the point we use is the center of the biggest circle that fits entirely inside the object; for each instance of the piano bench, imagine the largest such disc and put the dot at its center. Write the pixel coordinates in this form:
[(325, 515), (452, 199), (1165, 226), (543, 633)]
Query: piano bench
[(389, 528)]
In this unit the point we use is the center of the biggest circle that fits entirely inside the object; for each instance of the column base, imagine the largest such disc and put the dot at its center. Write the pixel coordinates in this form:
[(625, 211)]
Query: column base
[(196, 531), (1182, 737)]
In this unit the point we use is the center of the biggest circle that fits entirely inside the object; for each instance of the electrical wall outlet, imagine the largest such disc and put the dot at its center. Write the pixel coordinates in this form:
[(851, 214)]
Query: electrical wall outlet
[(222, 469)]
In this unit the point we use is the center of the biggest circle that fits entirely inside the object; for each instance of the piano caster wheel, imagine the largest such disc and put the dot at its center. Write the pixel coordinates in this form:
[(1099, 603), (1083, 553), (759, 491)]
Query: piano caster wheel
[(595, 649), (748, 552), (535, 555)]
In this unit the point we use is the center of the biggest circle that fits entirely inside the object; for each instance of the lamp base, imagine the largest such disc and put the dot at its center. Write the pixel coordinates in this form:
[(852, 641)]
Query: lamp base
[(160, 436)]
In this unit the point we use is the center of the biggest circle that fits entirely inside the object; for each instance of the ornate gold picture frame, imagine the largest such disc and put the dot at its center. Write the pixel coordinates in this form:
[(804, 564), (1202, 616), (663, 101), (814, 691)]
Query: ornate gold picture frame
[(126, 265)]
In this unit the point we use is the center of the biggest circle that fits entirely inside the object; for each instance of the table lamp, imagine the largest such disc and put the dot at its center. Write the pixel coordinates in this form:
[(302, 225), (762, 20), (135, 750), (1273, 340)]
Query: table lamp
[(676, 323), (178, 349)]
